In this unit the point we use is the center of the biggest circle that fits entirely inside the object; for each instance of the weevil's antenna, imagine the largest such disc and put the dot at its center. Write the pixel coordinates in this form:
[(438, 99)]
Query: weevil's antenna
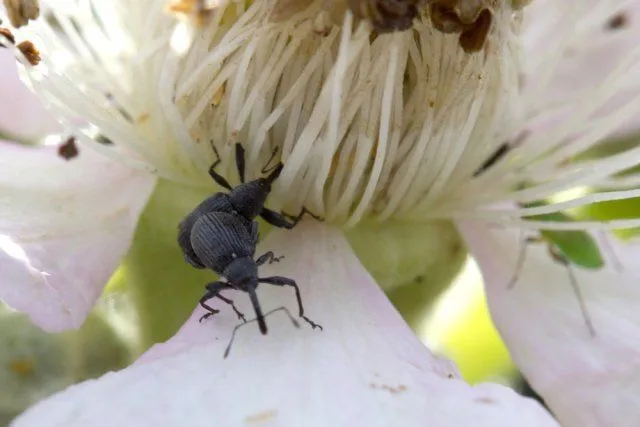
[(268, 313)]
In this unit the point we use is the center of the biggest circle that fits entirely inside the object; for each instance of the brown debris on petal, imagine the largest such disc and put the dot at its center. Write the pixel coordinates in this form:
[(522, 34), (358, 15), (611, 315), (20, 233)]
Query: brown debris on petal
[(69, 149), (8, 35), (21, 11), (617, 21), (387, 15), (30, 52)]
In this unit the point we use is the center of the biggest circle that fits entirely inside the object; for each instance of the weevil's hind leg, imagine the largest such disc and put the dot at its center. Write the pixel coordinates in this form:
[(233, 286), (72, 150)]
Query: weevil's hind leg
[(240, 161), (268, 257), (285, 281), (267, 314), (219, 179), (561, 259)]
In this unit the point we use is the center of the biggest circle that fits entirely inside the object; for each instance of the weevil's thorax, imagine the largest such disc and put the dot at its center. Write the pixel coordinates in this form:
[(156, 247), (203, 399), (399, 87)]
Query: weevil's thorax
[(242, 273), (249, 198)]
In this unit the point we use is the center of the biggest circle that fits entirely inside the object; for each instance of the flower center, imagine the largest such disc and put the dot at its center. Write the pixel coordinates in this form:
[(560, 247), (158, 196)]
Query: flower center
[(366, 123)]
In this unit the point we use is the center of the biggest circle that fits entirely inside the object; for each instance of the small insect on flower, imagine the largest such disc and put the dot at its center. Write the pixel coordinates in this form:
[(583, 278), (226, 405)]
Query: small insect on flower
[(566, 247), (221, 234)]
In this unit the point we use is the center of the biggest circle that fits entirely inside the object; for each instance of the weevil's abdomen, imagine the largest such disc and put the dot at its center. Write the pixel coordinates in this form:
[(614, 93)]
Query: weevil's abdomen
[(218, 238), (219, 202)]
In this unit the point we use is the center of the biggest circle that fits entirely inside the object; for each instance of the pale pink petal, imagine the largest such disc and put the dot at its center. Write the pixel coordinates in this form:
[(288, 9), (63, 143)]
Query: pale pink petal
[(22, 115), (64, 225), (586, 381), (365, 369), (596, 48)]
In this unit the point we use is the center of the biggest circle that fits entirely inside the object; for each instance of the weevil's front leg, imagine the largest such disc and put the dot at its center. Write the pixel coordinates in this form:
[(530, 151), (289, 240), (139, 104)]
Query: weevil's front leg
[(285, 281), (219, 179), (283, 220)]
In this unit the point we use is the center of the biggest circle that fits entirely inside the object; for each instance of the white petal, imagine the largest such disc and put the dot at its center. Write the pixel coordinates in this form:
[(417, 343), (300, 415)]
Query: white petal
[(574, 45), (365, 369), (22, 115), (586, 381), (64, 226)]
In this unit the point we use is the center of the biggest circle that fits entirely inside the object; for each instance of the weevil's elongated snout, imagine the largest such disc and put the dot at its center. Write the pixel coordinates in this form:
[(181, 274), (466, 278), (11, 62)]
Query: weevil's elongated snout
[(256, 306)]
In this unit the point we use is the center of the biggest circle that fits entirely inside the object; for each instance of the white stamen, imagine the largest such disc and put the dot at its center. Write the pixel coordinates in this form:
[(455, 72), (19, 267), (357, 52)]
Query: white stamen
[(368, 125)]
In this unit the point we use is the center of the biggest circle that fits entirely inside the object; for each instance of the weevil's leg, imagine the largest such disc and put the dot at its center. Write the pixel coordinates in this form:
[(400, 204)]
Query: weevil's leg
[(266, 168), (214, 289), (285, 281), (522, 255), (230, 302), (561, 259), (268, 313), (268, 257), (297, 218), (211, 311), (219, 179), (240, 161), (283, 220)]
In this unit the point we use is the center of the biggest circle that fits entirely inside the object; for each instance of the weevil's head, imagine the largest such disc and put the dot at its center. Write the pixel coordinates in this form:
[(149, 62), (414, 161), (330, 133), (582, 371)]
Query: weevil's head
[(248, 199), (242, 274)]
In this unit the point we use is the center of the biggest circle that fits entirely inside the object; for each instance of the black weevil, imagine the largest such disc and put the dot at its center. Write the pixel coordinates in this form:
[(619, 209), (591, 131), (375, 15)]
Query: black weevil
[(221, 234)]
